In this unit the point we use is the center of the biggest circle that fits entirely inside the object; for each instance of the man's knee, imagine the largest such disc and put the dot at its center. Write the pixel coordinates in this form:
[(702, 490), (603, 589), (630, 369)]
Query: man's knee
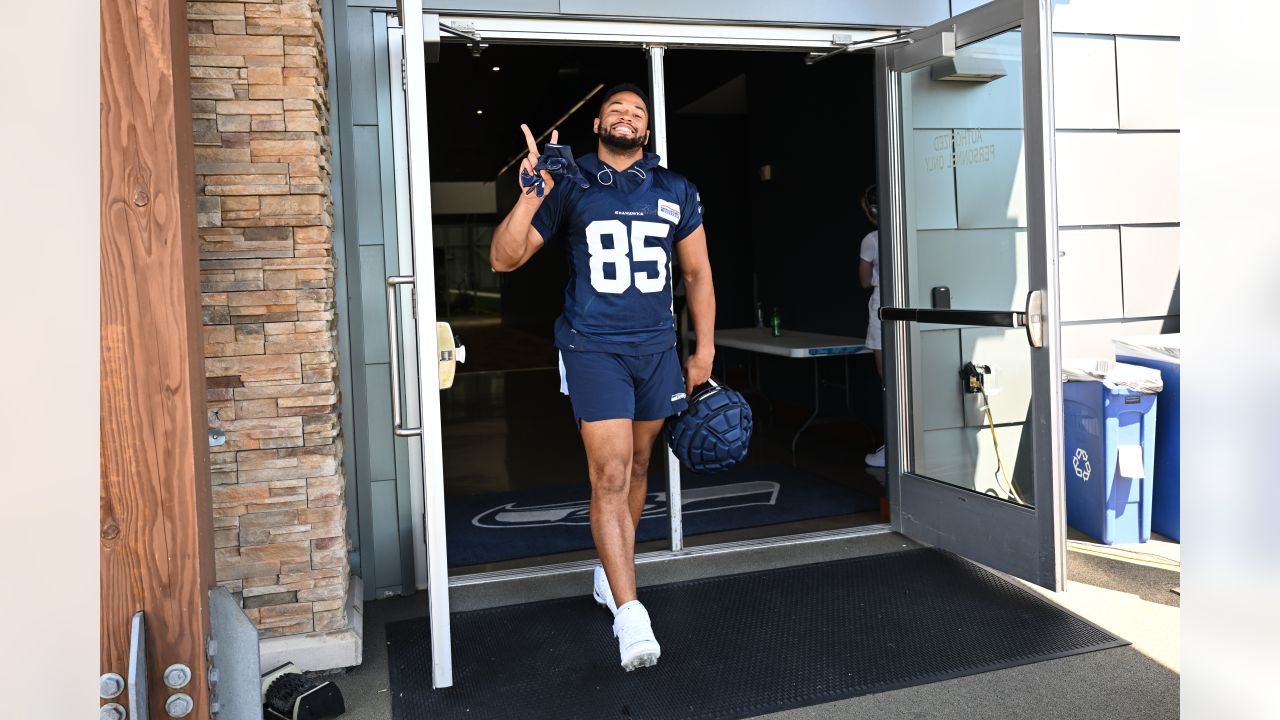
[(609, 477), (640, 464)]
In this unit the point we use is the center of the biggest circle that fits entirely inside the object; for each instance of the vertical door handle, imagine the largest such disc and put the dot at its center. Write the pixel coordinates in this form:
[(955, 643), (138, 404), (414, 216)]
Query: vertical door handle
[(393, 337)]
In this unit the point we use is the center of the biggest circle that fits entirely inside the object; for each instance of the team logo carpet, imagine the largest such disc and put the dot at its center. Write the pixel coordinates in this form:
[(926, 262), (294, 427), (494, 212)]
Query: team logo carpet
[(490, 528)]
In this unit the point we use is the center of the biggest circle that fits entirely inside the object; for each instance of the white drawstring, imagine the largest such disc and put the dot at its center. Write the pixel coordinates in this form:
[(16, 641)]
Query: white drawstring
[(609, 173)]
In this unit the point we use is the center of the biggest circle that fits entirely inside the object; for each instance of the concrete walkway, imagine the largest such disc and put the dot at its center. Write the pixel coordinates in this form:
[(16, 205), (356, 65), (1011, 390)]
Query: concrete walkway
[(1130, 596)]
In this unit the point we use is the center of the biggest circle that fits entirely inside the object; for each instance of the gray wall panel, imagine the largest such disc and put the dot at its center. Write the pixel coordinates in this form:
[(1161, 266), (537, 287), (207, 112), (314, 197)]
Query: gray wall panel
[(384, 499), (368, 190), (1089, 282), (334, 31), (373, 304), (1150, 83), (382, 464), (359, 48), (1118, 17), (1084, 82), (361, 98), (1113, 178), (1093, 340), (1151, 270)]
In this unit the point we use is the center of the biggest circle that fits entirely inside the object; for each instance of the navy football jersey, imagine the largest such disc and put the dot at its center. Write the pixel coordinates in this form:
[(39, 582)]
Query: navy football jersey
[(620, 235)]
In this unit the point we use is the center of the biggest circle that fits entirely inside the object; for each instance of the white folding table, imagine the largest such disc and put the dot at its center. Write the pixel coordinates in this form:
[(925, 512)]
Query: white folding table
[(795, 344)]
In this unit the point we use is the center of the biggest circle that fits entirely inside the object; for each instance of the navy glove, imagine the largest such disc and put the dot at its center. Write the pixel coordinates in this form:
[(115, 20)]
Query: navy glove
[(557, 160)]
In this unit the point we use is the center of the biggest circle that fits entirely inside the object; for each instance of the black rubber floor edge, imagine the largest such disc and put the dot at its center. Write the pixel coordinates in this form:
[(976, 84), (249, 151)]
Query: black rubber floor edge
[(741, 645)]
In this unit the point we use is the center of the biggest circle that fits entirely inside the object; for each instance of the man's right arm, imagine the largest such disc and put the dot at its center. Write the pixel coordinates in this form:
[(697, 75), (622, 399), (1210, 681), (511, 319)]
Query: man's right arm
[(515, 240)]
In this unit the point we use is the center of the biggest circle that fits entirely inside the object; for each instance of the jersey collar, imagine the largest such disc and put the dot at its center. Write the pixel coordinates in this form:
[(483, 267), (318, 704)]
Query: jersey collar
[(605, 175)]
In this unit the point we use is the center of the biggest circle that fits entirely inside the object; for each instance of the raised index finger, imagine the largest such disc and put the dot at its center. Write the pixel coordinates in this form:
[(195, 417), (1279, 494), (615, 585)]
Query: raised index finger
[(528, 139)]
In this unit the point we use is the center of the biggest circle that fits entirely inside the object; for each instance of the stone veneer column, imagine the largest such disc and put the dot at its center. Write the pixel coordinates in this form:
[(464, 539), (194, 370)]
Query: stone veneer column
[(258, 79)]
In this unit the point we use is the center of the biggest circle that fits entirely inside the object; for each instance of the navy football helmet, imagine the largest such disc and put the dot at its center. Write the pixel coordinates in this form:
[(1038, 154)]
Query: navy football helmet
[(712, 435)]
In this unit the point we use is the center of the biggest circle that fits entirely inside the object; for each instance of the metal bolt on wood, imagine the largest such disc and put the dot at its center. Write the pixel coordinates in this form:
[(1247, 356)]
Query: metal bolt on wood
[(112, 711), (177, 676), (179, 705), (110, 685)]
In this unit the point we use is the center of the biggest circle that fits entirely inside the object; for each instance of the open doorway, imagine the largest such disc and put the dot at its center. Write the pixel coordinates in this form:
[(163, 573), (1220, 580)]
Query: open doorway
[(781, 152)]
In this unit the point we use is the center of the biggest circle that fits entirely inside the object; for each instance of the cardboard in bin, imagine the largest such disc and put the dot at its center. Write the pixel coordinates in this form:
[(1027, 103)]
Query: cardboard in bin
[(1113, 374)]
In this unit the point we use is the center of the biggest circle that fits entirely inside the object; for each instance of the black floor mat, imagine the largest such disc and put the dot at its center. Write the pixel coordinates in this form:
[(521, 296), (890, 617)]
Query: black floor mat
[(741, 645)]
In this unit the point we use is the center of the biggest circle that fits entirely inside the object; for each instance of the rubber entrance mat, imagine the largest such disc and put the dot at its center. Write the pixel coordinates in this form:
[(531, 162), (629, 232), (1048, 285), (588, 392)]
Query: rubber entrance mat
[(741, 645)]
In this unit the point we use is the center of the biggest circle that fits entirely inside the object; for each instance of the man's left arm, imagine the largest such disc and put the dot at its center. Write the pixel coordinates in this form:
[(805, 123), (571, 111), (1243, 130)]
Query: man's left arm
[(700, 293)]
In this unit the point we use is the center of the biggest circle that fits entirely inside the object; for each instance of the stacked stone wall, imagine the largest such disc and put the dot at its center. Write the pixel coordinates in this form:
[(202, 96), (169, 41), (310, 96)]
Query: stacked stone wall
[(260, 114)]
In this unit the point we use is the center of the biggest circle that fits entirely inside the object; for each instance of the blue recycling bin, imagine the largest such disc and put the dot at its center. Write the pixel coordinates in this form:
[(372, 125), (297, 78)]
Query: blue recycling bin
[(1109, 446), (1163, 353)]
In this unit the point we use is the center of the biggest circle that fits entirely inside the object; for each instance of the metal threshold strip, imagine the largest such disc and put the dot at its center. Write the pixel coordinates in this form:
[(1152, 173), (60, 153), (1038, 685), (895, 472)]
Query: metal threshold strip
[(659, 556)]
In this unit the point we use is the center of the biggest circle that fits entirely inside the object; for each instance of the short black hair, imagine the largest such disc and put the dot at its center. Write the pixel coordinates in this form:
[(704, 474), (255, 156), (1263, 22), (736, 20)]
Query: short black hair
[(625, 87)]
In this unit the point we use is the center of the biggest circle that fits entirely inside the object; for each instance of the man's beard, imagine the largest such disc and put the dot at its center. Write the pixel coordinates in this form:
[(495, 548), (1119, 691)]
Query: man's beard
[(619, 143)]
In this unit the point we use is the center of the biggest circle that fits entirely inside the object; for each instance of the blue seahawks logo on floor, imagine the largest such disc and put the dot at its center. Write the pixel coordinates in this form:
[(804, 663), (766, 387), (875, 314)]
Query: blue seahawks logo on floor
[(544, 521), (694, 500)]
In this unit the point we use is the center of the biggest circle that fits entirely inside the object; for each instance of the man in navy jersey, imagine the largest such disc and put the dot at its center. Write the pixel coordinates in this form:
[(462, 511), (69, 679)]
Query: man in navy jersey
[(616, 335)]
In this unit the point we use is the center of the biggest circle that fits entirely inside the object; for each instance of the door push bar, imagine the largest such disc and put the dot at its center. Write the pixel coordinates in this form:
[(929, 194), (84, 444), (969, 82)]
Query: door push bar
[(1032, 319)]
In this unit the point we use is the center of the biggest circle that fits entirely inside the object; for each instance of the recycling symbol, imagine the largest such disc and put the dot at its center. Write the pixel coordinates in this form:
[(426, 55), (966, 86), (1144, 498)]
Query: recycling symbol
[(1080, 463)]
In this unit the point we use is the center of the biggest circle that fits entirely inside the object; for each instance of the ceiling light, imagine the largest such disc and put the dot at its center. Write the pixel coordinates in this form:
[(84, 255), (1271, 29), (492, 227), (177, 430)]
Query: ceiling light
[(496, 68), (479, 112)]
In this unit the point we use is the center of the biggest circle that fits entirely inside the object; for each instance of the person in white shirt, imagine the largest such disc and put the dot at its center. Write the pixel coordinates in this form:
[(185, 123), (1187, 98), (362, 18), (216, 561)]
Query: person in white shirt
[(869, 276)]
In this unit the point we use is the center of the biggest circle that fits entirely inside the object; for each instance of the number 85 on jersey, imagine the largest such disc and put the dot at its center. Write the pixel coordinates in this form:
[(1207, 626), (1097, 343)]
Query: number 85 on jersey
[(626, 247)]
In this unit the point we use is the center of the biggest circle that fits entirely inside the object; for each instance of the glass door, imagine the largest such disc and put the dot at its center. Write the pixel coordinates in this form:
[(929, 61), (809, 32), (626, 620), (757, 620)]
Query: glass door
[(969, 276), (433, 350)]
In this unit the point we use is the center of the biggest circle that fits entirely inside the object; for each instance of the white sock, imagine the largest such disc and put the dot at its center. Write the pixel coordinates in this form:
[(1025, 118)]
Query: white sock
[(625, 606)]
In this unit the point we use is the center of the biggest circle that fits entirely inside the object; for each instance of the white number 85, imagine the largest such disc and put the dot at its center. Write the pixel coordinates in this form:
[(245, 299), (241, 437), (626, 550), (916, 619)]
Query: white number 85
[(618, 255)]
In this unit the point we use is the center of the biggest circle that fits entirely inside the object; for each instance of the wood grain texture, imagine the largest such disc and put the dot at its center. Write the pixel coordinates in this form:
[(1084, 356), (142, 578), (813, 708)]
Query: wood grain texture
[(156, 537)]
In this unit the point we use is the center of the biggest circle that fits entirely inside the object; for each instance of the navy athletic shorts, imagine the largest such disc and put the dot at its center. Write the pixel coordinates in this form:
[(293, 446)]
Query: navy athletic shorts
[(605, 386)]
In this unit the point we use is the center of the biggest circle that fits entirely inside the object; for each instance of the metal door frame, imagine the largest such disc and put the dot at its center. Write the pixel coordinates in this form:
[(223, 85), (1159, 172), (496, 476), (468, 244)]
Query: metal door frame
[(1027, 542), (406, 44), (430, 453)]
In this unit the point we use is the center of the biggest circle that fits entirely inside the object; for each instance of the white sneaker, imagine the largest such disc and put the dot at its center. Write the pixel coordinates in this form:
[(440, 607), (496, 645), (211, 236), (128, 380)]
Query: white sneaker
[(876, 459), (601, 592), (636, 643)]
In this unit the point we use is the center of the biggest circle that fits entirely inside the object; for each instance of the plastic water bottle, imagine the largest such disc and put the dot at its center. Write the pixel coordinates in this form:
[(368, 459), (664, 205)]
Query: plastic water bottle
[(776, 322)]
